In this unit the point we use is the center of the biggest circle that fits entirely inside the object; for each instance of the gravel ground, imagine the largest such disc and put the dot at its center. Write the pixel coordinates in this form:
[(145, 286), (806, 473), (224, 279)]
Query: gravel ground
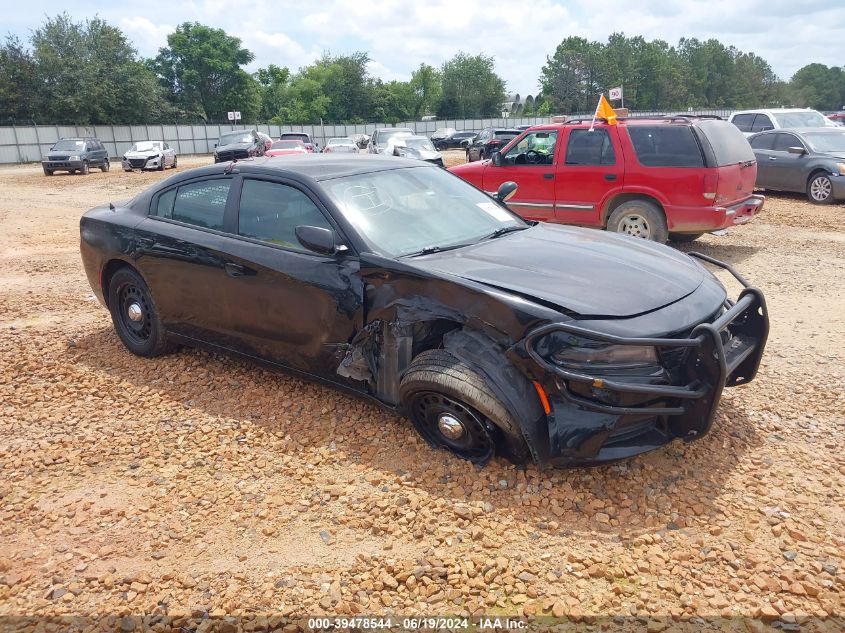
[(195, 483)]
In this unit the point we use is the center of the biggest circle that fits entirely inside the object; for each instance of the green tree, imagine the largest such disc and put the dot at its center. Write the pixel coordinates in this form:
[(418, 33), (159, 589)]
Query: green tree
[(426, 89), (817, 86), (201, 69), (274, 82), (471, 87), (89, 73), (573, 76), (18, 82)]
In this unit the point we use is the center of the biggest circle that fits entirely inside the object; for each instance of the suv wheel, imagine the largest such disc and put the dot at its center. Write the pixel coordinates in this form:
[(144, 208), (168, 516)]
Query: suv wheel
[(106, 166), (84, 170), (48, 172), (639, 218), (820, 189)]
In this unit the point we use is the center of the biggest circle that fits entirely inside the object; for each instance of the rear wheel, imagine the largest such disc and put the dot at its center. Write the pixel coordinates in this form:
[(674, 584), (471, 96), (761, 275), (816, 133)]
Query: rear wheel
[(106, 166), (134, 314), (174, 162), (48, 172), (684, 237), (453, 407), (820, 189), (639, 218)]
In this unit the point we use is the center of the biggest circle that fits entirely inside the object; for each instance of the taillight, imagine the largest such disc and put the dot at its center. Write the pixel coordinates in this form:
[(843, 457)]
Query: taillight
[(711, 184)]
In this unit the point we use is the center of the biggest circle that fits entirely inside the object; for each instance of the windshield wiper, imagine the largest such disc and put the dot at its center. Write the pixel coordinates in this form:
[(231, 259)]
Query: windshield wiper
[(428, 250), (503, 231)]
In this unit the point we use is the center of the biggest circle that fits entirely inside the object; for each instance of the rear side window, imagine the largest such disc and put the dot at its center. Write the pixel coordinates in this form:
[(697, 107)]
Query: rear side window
[(590, 148), (271, 211), (762, 122), (744, 121), (764, 141), (668, 145), (728, 144), (199, 203)]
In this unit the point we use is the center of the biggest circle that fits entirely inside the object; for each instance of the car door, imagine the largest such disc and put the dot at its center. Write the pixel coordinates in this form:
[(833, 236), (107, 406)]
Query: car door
[(531, 163), (785, 170), (180, 251), (288, 305), (762, 146), (168, 153), (591, 169), (478, 143)]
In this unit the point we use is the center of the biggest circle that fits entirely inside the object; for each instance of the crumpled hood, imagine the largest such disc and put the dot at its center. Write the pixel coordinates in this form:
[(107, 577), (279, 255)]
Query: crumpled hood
[(586, 271), (232, 146), (147, 153)]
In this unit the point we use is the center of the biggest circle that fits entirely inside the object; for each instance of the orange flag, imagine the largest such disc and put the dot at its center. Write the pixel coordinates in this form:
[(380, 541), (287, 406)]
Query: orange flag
[(604, 111)]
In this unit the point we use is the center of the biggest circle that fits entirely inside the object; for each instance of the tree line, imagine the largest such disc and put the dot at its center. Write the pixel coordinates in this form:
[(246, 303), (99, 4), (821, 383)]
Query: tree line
[(89, 72)]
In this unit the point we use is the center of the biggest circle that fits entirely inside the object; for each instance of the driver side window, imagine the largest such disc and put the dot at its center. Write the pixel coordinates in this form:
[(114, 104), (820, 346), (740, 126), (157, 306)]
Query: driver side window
[(535, 148), (590, 147)]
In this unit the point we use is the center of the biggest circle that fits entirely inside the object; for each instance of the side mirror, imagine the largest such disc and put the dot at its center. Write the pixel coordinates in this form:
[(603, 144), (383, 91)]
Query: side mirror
[(396, 150), (497, 162), (317, 239), (797, 150), (506, 190), (215, 145)]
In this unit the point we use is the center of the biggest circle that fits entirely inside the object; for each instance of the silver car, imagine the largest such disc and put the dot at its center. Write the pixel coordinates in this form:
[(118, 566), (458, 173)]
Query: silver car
[(149, 155), (341, 145), (418, 147)]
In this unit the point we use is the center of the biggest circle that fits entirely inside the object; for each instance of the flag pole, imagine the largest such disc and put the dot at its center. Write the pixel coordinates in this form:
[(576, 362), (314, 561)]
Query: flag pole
[(622, 96), (595, 114)]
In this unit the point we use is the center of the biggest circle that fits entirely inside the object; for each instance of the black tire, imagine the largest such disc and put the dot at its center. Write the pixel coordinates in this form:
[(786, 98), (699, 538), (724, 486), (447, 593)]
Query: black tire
[(436, 388), (144, 336), (684, 237), (161, 164), (48, 172), (820, 189), (639, 218), (84, 171), (174, 161), (106, 166)]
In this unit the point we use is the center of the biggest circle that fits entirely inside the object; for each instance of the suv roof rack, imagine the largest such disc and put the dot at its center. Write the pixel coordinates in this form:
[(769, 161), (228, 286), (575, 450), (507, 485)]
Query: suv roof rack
[(652, 117)]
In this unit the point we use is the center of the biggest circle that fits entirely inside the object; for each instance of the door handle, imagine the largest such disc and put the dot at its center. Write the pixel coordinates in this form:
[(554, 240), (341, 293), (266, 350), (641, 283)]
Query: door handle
[(548, 176), (235, 270), (772, 158), (610, 176)]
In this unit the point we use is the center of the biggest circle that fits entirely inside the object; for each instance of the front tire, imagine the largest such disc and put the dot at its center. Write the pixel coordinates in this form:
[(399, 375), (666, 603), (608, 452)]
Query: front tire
[(453, 407), (639, 218), (174, 162), (106, 166), (820, 189), (48, 172), (134, 314), (84, 171)]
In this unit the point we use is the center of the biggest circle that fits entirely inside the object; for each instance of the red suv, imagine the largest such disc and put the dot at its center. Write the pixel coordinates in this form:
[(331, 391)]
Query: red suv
[(656, 178)]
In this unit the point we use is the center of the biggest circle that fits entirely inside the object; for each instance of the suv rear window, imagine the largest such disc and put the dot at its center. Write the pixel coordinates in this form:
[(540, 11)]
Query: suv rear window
[(729, 144), (668, 145), (287, 136)]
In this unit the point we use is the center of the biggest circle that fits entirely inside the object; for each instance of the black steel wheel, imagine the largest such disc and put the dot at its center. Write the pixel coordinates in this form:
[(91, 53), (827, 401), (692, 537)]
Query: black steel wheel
[(106, 165), (449, 423), (453, 407), (134, 314), (84, 170)]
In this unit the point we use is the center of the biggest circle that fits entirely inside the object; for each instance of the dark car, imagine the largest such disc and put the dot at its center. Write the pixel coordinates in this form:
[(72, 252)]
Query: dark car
[(489, 140), (453, 140), (808, 160), (241, 144), (395, 280), (76, 154)]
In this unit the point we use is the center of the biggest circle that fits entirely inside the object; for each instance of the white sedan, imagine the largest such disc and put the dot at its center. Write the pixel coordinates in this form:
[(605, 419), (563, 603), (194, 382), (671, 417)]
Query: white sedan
[(149, 155)]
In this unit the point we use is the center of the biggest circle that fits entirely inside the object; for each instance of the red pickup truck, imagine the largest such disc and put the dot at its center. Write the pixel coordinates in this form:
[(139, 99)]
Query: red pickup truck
[(656, 178)]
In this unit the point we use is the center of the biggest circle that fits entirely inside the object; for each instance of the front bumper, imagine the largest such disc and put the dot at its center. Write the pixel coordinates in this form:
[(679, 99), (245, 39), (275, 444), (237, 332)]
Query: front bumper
[(61, 165), (141, 163), (838, 183), (625, 416)]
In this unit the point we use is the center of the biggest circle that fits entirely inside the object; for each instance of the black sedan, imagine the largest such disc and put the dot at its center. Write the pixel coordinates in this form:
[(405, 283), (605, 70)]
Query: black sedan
[(398, 281), (241, 144), (806, 160), (454, 140), (489, 140)]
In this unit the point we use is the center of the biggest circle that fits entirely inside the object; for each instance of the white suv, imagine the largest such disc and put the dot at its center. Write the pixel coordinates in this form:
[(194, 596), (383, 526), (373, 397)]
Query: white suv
[(753, 121)]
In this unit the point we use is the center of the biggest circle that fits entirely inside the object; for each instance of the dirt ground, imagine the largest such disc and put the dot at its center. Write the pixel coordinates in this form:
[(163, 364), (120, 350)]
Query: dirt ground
[(194, 483)]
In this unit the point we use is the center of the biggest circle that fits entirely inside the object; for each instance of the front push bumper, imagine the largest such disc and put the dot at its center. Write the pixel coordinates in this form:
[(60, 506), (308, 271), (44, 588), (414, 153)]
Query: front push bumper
[(599, 417)]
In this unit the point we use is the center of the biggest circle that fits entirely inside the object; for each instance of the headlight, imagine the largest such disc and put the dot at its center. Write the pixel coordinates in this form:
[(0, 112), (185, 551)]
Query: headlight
[(575, 352), (841, 167), (74, 158)]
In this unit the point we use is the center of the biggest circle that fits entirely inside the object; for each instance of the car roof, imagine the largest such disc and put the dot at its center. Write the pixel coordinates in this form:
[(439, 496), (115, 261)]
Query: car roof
[(804, 130), (314, 166), (772, 110)]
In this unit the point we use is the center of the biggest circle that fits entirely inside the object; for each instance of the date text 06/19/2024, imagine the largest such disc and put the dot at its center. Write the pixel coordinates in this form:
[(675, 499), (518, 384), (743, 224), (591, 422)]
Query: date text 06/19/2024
[(414, 624)]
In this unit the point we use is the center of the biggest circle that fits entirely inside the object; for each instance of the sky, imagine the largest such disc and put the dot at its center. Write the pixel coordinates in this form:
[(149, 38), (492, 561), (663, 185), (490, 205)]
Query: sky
[(519, 34)]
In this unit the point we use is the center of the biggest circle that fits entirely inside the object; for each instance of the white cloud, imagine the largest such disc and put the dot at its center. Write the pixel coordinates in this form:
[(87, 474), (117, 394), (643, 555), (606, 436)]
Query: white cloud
[(145, 35)]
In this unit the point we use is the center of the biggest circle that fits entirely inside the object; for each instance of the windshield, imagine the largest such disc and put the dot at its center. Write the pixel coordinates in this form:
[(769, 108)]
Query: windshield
[(235, 137), (145, 146), (67, 145), (419, 143), (287, 144), (827, 142), (340, 141), (300, 137), (403, 211), (386, 135), (800, 119), (506, 136)]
